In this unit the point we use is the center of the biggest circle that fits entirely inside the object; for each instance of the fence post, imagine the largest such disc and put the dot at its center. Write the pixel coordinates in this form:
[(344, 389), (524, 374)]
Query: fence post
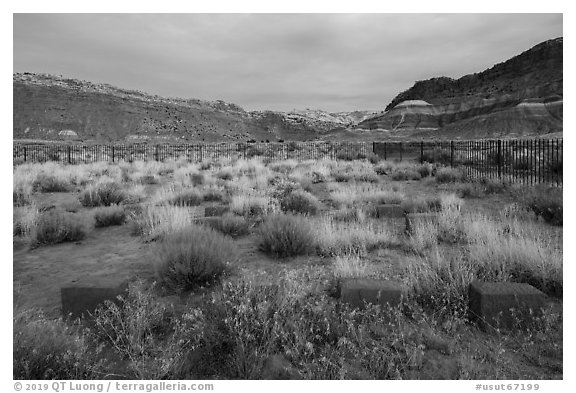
[(156, 152), (112, 153), (384, 150), (421, 152), (24, 153), (451, 154), (373, 147), (499, 159), (69, 155)]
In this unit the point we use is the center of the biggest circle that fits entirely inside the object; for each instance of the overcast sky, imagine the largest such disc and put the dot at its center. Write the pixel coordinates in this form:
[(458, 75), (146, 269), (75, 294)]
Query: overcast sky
[(335, 62)]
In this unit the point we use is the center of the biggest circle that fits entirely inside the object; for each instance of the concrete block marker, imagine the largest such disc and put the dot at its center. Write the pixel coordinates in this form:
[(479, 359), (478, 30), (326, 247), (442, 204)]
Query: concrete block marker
[(504, 304), (389, 211), (79, 301), (357, 291), (414, 219), (215, 211)]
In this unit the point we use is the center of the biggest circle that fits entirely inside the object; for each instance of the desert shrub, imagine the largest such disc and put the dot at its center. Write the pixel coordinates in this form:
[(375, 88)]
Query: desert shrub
[(514, 251), (25, 219), (362, 193), (252, 206), (197, 179), (425, 169), (422, 204), (109, 215), (437, 155), (449, 175), (22, 196), (353, 214), (158, 221), (194, 256), (45, 348), (49, 183), (468, 190), (335, 237), (383, 168), (187, 197), (285, 235), (317, 338), (143, 331), (147, 179), (230, 225), (350, 265), (225, 174), (301, 202), (56, 226), (102, 194), (213, 195), (439, 283), (492, 186), (281, 188), (546, 203), (405, 174)]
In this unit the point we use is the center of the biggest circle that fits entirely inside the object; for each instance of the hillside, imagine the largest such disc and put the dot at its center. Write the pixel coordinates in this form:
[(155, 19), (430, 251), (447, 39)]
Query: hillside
[(519, 97), (52, 108)]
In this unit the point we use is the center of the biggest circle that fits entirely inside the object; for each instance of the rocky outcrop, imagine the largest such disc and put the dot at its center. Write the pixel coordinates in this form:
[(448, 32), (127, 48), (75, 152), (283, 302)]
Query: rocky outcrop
[(522, 96)]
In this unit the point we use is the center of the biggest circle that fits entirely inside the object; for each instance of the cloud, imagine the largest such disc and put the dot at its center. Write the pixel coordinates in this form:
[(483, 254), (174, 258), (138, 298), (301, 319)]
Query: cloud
[(335, 62)]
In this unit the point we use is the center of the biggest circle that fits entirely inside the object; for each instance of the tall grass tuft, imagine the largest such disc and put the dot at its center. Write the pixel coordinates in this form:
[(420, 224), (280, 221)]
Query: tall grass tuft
[(194, 256), (57, 227), (286, 235)]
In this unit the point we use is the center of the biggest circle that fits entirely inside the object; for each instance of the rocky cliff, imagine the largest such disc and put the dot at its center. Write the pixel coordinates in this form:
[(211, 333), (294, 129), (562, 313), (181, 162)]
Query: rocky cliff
[(519, 97)]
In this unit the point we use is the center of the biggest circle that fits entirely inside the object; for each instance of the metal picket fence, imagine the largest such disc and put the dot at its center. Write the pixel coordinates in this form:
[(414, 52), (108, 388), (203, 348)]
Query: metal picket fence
[(528, 161)]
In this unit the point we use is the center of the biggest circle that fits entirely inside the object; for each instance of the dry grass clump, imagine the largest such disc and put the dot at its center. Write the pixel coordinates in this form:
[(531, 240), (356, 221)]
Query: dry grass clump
[(300, 202), (545, 202), (187, 197), (109, 215), (103, 193), (57, 226), (286, 235), (252, 205), (506, 250), (151, 339), (351, 265), (25, 219), (439, 282), (194, 256), (49, 183), (46, 348), (449, 175), (357, 170), (158, 221), (515, 251), (230, 225), (335, 237), (352, 194)]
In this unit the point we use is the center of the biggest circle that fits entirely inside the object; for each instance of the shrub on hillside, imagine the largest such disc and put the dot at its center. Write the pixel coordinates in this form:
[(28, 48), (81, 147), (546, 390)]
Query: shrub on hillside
[(45, 348), (285, 235), (197, 179), (48, 183), (301, 202), (194, 256), (57, 227), (102, 194), (108, 216)]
